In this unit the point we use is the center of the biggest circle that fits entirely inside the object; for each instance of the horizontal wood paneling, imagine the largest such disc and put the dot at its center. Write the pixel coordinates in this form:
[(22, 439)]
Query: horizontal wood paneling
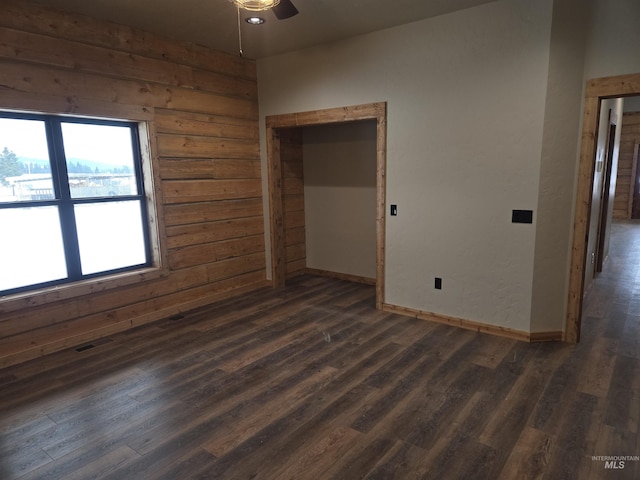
[(295, 252), (209, 168), (214, 252), (185, 214), (293, 203), (291, 152), (205, 147), (58, 25), (202, 113), (294, 219), (29, 321), (294, 268), (293, 186), (29, 78), (39, 49), (169, 121), (189, 191), (78, 331), (294, 236), (185, 235), (629, 136)]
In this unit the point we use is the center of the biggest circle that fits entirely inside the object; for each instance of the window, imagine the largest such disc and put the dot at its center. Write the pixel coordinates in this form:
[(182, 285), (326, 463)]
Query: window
[(72, 200)]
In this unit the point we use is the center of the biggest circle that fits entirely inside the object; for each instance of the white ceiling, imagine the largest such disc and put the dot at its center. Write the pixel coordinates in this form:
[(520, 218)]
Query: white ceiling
[(214, 22)]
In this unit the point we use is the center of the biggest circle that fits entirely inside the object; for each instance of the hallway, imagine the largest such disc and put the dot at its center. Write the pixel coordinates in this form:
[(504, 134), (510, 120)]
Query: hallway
[(611, 331), (614, 295)]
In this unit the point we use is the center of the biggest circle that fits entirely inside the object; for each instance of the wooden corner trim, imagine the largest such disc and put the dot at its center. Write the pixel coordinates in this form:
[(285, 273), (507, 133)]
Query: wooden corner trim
[(370, 111)]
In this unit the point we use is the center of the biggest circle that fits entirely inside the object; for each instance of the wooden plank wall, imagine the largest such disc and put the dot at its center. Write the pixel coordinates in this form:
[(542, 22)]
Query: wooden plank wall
[(203, 115), (293, 200), (629, 136)]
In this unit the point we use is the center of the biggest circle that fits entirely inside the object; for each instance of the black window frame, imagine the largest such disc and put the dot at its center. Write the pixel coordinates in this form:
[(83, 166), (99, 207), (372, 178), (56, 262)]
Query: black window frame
[(66, 203)]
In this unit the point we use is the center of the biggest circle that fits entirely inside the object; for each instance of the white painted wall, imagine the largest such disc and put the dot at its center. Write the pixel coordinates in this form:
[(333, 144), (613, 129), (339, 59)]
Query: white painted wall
[(558, 170), (466, 99), (632, 104), (614, 38), (340, 197), (482, 106)]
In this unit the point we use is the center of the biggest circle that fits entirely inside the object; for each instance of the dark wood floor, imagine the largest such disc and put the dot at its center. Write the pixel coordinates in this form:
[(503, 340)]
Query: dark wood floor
[(311, 382)]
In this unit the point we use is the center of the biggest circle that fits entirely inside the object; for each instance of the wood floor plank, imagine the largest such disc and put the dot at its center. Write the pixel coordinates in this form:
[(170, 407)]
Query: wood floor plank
[(21, 461), (306, 425), (101, 466), (364, 452), (629, 343), (22, 429), (431, 423), (399, 462), (490, 354), (570, 461), (311, 382), (192, 465), (321, 456), (59, 441), (596, 379), (471, 459), (530, 456), (505, 426), (622, 403), (216, 413), (403, 398), (231, 435)]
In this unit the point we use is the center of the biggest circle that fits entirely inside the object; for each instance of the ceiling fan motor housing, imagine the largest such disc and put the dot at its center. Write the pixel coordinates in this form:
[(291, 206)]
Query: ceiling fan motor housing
[(256, 5)]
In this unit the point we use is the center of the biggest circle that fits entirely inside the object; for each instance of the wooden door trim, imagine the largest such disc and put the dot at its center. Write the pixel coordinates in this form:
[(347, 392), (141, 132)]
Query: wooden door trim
[(371, 111), (634, 179), (596, 90)]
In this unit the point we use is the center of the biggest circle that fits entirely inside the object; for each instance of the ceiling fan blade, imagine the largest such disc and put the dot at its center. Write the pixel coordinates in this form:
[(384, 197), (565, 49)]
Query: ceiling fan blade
[(285, 9)]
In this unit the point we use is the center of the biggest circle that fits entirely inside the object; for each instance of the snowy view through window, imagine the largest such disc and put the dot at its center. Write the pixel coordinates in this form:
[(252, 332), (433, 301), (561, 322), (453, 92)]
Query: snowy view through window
[(99, 164)]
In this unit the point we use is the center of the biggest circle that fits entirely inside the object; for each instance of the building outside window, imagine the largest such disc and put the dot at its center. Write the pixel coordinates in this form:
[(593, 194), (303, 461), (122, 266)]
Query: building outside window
[(72, 200)]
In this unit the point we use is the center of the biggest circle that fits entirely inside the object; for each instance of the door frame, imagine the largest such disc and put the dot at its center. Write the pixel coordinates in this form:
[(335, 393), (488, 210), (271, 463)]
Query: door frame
[(371, 111), (635, 182), (596, 90)]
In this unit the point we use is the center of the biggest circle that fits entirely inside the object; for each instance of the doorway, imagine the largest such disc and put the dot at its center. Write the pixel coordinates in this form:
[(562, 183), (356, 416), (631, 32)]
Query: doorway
[(279, 131), (596, 91), (340, 200)]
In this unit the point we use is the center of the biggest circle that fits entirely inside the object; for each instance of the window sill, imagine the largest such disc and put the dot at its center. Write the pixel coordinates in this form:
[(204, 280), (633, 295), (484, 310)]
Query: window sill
[(68, 291)]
